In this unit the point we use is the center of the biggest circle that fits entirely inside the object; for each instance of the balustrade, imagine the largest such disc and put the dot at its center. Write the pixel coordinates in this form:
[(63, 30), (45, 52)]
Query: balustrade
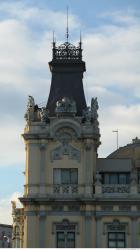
[(115, 188)]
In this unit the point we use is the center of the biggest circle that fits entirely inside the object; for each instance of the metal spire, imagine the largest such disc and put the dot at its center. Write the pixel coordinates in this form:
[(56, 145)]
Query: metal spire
[(53, 37), (80, 36), (117, 133), (80, 42), (67, 29)]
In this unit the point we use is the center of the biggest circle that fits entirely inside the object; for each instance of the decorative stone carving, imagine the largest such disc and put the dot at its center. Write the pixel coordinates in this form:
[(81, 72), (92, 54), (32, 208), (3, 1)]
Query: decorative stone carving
[(63, 128), (125, 208), (88, 144), (65, 189), (115, 225), (29, 115), (107, 208), (64, 136), (65, 225), (90, 115), (66, 106), (13, 206), (65, 149), (98, 178), (133, 177), (87, 115), (94, 108), (44, 115), (116, 188)]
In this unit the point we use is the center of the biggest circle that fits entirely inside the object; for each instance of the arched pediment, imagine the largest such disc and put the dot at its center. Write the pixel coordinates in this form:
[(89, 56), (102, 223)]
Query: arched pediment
[(65, 125)]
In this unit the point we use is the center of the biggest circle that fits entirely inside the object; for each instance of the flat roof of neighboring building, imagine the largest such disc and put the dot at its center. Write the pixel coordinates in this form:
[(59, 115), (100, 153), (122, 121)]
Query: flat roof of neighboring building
[(114, 165)]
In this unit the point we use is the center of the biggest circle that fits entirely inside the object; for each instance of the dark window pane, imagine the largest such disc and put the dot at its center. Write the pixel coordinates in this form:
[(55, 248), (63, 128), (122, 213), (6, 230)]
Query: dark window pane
[(128, 178), (57, 176), (122, 178), (70, 239), (112, 244), (116, 239), (120, 244), (60, 240), (74, 176), (112, 236), (113, 179), (71, 236), (106, 178), (65, 176), (60, 236), (120, 236)]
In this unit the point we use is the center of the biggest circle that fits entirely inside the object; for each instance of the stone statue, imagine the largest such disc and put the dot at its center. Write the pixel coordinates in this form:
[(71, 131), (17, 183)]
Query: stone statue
[(65, 105), (31, 103), (87, 115), (44, 115), (13, 206), (94, 108), (30, 109)]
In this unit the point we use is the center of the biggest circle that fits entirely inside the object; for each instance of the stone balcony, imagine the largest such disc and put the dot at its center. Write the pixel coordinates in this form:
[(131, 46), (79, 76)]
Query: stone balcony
[(79, 191), (115, 188), (59, 190)]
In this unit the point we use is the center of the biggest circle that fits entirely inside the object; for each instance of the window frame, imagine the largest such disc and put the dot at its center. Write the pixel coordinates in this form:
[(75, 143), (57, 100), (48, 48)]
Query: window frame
[(61, 181), (106, 178), (116, 239)]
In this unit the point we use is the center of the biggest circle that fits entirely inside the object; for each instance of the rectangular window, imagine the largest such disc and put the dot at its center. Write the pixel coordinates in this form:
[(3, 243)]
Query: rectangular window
[(70, 239), (65, 239), (65, 176), (116, 240), (116, 178), (60, 240), (113, 179)]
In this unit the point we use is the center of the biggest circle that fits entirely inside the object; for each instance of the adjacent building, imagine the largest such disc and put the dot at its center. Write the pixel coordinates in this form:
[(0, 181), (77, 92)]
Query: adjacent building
[(73, 198), (5, 236)]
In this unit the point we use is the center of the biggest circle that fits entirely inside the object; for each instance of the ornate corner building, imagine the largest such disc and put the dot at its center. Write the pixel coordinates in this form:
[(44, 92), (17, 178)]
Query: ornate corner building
[(72, 198)]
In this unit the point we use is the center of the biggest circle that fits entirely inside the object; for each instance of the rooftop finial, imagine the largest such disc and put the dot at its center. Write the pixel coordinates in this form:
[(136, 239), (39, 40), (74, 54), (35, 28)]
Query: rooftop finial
[(80, 36), (53, 37), (67, 29)]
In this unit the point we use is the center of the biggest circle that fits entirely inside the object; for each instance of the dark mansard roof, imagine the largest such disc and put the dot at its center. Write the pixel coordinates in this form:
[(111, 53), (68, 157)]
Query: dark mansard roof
[(67, 70)]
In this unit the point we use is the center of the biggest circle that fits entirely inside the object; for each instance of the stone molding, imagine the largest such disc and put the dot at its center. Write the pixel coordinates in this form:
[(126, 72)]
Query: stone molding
[(65, 149), (116, 225)]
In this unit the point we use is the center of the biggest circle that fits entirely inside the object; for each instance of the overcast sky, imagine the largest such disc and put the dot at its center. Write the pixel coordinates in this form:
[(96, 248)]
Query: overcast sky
[(111, 43)]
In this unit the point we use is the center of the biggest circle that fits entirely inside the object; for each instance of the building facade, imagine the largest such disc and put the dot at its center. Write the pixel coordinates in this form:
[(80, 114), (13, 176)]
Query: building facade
[(5, 236), (72, 198)]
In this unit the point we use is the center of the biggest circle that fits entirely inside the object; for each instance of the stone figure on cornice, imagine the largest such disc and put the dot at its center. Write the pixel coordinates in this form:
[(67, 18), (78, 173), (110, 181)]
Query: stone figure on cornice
[(87, 115), (66, 105), (94, 108), (44, 114), (29, 115)]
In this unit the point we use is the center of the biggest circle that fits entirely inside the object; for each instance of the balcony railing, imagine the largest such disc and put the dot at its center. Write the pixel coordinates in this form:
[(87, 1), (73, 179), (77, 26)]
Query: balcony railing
[(53, 190), (115, 188), (65, 189), (74, 189)]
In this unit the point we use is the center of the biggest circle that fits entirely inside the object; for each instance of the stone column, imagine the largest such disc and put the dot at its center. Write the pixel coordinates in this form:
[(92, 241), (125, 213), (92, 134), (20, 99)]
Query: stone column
[(133, 183), (31, 230), (98, 232), (89, 149), (32, 168), (98, 184), (42, 169), (134, 235), (42, 229), (88, 229)]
